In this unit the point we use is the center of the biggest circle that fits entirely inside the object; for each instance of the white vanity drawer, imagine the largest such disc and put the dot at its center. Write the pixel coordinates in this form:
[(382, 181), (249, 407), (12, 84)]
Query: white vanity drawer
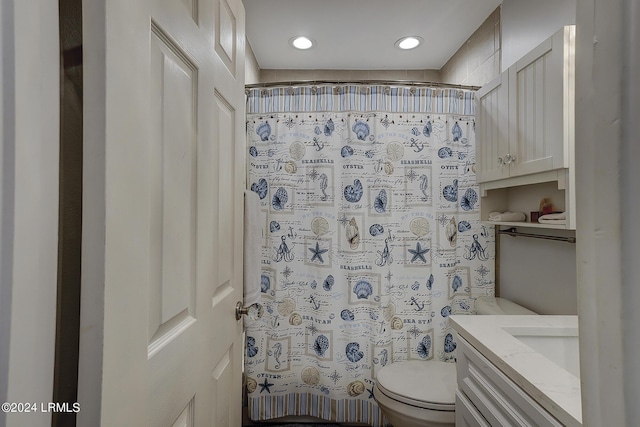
[(466, 414), (500, 401)]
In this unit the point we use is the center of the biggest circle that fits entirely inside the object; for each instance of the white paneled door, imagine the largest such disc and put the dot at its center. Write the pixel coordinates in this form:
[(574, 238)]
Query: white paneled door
[(162, 220)]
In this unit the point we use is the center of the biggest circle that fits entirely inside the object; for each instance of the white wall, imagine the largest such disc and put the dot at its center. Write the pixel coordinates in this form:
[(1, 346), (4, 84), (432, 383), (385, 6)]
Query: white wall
[(477, 61), (526, 23), (539, 274), (271, 75), (607, 109), (252, 69)]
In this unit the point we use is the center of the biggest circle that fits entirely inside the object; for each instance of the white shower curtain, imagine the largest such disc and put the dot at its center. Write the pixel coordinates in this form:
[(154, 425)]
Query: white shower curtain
[(372, 240)]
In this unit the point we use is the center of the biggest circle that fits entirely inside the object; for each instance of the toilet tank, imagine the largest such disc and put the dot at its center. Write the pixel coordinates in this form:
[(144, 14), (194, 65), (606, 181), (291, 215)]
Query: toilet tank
[(494, 305)]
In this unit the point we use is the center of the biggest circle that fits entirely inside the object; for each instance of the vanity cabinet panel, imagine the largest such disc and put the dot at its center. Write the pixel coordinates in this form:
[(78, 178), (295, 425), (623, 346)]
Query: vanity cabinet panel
[(466, 414), (493, 397)]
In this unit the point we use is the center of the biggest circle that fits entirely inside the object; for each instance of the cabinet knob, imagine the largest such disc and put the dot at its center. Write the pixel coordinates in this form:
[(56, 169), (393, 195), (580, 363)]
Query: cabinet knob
[(508, 159)]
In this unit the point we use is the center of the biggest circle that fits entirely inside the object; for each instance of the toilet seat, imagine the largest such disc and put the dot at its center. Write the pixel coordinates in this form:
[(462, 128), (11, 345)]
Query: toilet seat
[(423, 384)]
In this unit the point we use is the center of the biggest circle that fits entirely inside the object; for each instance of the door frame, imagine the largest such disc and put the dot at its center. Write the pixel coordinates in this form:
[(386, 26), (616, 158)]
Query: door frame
[(29, 177)]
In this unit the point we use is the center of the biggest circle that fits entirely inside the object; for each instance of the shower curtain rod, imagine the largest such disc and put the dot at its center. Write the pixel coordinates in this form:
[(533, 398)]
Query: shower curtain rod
[(360, 82), (513, 232)]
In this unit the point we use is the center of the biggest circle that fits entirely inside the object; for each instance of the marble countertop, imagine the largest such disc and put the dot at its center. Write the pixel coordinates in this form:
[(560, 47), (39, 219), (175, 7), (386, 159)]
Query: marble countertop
[(553, 387)]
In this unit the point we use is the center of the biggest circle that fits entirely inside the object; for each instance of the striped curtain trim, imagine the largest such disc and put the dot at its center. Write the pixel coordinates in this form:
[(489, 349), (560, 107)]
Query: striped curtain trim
[(312, 405), (394, 99)]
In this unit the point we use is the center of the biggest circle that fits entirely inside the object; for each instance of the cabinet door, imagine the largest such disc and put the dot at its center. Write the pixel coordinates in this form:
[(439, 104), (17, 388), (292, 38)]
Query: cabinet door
[(541, 106), (492, 122)]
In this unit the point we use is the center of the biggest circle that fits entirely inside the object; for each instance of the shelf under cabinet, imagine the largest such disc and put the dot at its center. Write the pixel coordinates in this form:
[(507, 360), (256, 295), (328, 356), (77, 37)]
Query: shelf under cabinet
[(524, 195)]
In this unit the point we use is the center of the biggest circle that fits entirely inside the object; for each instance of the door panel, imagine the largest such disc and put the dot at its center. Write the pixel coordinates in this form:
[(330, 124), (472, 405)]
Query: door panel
[(226, 164), (185, 419), (192, 6), (164, 260), (226, 35), (224, 380), (172, 183)]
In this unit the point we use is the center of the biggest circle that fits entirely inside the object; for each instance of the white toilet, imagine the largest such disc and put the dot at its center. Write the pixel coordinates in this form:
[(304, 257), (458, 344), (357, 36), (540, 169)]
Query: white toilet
[(422, 394)]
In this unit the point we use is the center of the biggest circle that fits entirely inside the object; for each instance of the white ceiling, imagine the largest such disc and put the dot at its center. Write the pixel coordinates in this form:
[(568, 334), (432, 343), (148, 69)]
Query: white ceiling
[(360, 34)]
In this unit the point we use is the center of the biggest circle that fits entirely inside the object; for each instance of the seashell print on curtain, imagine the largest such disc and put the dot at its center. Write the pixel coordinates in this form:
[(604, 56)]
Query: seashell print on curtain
[(372, 240)]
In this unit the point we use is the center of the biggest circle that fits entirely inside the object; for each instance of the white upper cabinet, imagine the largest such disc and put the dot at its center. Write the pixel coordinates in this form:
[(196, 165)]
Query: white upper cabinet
[(525, 133), (492, 132), (525, 117)]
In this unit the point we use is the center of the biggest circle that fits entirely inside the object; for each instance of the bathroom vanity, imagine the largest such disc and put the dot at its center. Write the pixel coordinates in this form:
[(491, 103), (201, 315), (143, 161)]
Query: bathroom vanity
[(517, 371)]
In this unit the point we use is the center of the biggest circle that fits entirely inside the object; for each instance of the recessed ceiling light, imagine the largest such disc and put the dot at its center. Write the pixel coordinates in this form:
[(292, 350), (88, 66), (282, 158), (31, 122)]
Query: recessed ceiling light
[(409, 42), (301, 42)]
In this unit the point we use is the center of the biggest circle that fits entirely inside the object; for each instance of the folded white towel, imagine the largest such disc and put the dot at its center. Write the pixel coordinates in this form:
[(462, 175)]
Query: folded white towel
[(507, 216), (556, 218), (253, 223)]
